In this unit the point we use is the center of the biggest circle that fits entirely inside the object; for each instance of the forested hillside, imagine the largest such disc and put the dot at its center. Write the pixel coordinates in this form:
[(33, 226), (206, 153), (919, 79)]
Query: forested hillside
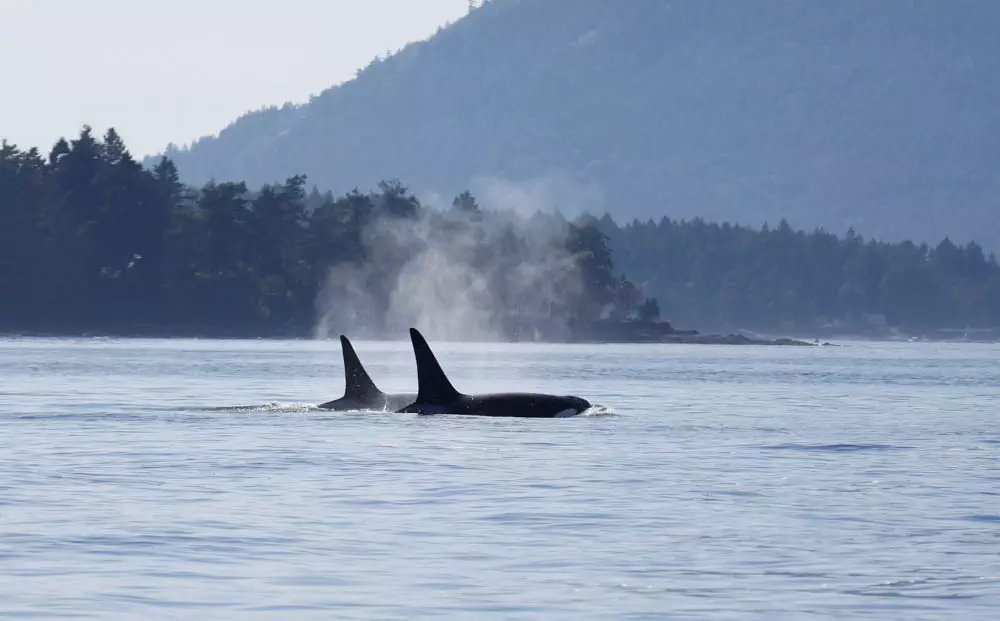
[(878, 115), (91, 241), (781, 279)]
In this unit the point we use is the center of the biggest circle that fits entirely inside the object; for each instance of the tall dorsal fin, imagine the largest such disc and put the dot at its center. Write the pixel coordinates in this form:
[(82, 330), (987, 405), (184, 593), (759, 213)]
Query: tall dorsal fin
[(357, 383), (434, 386)]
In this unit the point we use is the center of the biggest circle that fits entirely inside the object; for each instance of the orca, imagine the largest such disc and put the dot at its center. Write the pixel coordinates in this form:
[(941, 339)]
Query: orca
[(436, 395), (360, 392)]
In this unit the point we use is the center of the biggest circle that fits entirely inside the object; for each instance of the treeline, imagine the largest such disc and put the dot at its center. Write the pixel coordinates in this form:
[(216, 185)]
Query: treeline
[(780, 278), (90, 240)]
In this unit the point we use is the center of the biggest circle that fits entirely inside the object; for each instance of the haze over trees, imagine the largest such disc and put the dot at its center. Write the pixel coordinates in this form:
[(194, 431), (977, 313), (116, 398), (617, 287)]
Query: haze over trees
[(882, 116), (92, 241)]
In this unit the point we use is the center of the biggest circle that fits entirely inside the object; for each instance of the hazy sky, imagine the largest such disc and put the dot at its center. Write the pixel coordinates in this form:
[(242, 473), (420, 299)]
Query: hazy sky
[(171, 71)]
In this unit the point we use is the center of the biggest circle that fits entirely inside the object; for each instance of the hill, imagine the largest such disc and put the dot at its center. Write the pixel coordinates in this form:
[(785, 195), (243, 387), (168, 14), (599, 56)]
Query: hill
[(883, 116)]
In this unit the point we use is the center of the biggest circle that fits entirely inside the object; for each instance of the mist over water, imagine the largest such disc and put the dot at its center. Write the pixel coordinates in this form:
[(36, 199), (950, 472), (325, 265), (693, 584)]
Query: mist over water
[(452, 274)]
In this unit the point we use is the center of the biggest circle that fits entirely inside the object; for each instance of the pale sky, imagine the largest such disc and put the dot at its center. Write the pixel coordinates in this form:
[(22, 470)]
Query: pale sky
[(164, 71)]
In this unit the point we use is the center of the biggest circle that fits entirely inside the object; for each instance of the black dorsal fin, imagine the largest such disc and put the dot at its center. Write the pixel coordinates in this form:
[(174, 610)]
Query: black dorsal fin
[(434, 386), (357, 383)]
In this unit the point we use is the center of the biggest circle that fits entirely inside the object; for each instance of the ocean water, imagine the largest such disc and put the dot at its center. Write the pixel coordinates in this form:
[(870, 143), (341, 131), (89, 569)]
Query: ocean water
[(187, 479)]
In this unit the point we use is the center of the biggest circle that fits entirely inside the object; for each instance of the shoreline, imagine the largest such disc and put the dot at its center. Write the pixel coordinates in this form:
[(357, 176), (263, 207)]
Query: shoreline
[(701, 339), (599, 337)]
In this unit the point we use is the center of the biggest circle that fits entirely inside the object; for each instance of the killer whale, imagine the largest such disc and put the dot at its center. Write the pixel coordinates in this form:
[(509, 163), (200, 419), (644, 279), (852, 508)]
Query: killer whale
[(360, 392), (436, 395)]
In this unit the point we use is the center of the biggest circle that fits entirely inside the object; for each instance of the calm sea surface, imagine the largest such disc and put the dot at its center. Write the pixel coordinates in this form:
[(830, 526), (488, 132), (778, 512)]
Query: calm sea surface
[(186, 479)]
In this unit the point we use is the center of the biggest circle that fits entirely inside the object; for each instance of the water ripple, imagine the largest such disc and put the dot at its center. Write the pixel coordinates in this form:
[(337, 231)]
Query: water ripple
[(196, 479)]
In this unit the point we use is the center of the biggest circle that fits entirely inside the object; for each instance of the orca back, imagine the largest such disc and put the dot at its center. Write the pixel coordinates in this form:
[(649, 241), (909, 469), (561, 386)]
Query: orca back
[(433, 384)]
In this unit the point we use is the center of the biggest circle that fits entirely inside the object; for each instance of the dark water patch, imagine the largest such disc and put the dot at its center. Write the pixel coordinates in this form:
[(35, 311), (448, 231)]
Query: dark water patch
[(834, 448), (190, 575), (145, 541), (576, 519), (990, 519), (904, 594), (836, 518), (99, 416), (161, 602), (737, 493), (547, 486), (281, 607), (41, 614), (930, 588), (797, 574)]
